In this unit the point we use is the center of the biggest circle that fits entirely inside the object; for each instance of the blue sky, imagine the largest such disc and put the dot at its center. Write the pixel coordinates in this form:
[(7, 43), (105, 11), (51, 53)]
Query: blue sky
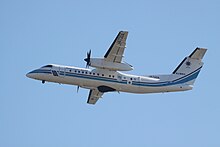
[(161, 34)]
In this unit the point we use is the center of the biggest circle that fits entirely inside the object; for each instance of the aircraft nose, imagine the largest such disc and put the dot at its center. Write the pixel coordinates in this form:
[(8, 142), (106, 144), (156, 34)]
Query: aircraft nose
[(30, 74)]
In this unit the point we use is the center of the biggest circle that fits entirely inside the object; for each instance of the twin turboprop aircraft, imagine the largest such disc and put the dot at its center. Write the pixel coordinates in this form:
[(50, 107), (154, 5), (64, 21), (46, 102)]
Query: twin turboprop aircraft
[(107, 76)]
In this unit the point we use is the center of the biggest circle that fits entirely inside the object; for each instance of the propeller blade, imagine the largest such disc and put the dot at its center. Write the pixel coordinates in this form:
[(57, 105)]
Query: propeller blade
[(87, 59), (89, 55)]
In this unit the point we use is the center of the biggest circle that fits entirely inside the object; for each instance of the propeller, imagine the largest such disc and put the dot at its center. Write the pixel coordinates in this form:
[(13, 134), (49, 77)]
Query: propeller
[(87, 59)]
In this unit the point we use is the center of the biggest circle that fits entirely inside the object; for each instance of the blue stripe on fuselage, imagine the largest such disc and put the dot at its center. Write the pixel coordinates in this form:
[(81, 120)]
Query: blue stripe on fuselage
[(92, 77), (191, 76), (181, 80)]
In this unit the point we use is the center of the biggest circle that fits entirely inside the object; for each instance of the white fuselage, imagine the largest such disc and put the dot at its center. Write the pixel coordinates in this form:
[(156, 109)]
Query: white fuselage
[(91, 79)]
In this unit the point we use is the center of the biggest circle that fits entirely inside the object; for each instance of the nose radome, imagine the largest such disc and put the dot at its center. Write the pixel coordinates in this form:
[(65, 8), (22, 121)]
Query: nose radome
[(28, 75)]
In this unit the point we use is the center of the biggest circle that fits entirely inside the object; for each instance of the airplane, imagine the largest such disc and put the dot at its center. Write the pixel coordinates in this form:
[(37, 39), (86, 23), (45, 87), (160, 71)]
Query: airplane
[(107, 76)]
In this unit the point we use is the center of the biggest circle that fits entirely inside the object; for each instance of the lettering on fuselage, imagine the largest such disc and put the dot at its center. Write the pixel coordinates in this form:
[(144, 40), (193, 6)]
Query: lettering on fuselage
[(180, 73), (156, 77)]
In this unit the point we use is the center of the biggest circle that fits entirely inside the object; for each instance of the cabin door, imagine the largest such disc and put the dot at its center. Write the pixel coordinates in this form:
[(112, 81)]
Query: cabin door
[(62, 71)]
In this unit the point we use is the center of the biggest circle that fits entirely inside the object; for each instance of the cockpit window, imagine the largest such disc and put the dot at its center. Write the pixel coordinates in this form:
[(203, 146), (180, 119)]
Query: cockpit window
[(47, 66)]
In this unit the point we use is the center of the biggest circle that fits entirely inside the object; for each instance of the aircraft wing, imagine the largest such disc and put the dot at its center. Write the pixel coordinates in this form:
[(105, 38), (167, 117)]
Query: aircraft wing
[(94, 95), (116, 50)]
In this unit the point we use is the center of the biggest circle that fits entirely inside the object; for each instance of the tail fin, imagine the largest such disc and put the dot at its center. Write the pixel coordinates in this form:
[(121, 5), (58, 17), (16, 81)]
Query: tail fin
[(191, 66)]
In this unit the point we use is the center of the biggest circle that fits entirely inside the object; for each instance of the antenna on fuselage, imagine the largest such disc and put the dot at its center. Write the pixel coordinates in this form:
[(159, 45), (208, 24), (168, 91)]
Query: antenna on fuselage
[(77, 89)]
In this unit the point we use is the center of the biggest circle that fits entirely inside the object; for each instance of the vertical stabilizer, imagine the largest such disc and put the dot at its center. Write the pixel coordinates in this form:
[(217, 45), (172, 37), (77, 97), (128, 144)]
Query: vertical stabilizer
[(190, 67)]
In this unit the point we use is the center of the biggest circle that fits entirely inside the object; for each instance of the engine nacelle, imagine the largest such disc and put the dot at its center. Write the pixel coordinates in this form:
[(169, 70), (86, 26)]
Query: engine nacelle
[(102, 63)]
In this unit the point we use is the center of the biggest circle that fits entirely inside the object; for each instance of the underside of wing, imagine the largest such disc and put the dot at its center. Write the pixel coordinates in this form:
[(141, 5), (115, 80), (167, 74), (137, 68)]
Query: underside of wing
[(116, 50), (94, 95)]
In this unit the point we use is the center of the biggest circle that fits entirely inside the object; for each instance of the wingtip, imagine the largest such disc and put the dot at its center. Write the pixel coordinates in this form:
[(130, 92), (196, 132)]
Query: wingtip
[(123, 31)]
